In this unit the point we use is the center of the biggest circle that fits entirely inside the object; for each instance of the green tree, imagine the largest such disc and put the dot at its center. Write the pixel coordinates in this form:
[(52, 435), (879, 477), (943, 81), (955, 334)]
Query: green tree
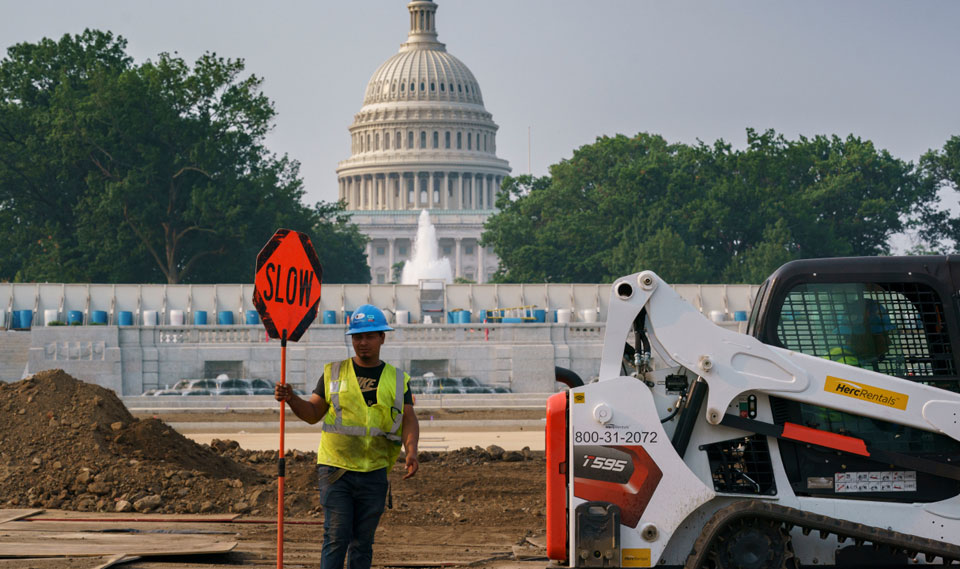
[(938, 229), (160, 173), (41, 179), (340, 246), (702, 212)]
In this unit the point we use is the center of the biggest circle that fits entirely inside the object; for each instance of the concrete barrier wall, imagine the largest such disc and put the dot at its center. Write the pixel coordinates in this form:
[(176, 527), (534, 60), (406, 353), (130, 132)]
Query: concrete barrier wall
[(237, 298), (133, 359)]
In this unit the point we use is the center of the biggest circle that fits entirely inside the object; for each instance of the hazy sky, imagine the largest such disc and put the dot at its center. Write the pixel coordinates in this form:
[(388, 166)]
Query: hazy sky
[(570, 70)]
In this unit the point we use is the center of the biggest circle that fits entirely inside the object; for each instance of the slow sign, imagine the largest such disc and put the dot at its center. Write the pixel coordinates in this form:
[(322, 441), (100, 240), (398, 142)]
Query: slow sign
[(286, 288)]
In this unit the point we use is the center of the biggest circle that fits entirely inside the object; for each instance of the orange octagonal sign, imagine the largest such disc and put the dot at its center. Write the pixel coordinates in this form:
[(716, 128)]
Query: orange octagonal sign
[(286, 288)]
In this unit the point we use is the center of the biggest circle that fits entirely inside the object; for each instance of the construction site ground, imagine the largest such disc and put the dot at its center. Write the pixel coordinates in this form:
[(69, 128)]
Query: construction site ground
[(74, 451)]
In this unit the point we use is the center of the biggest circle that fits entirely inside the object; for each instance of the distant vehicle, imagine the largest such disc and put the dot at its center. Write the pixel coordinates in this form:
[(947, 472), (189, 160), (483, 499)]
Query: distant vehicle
[(478, 389), (261, 384), (191, 392), (241, 384), (421, 384), (470, 382), (185, 384), (235, 391), (163, 392), (498, 389), (450, 385)]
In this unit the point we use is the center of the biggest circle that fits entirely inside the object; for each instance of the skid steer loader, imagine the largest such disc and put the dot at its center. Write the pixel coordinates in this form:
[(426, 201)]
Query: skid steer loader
[(828, 435)]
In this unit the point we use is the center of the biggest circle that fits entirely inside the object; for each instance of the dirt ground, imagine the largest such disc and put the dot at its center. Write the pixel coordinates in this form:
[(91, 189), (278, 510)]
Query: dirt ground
[(260, 416), (68, 445)]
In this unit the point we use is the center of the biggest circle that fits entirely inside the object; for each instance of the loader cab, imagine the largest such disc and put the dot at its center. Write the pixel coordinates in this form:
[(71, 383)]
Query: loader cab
[(892, 315)]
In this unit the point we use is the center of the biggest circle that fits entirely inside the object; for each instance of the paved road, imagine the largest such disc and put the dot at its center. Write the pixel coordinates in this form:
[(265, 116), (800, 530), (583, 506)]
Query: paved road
[(429, 440)]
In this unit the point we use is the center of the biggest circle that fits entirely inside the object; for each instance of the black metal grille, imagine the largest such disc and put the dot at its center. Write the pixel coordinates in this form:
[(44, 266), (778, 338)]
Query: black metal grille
[(893, 328), (741, 466)]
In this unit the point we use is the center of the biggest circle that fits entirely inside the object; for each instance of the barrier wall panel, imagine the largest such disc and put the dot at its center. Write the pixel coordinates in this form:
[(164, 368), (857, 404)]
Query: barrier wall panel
[(49, 296), (153, 297), (178, 298), (202, 297)]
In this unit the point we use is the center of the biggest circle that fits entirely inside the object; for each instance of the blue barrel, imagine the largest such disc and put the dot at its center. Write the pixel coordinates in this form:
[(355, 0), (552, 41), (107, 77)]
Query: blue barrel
[(75, 317), (329, 316), (14, 319), (253, 317), (740, 316), (26, 319), (125, 318), (200, 318), (512, 320), (98, 317), (225, 318), (451, 317), (463, 317), (539, 315)]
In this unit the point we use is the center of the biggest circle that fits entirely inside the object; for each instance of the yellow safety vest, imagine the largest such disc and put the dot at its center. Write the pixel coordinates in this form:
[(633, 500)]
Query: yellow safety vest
[(356, 436)]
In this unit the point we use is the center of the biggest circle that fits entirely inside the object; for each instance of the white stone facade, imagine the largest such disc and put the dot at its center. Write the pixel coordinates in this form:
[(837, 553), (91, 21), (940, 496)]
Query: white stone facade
[(423, 140)]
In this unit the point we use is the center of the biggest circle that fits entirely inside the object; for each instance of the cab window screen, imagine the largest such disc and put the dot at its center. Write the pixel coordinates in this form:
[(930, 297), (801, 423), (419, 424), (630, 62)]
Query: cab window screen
[(892, 328)]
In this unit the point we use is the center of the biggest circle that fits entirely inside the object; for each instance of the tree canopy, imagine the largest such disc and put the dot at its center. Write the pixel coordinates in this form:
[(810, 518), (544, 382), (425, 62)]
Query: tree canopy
[(113, 171), (939, 230), (703, 213)]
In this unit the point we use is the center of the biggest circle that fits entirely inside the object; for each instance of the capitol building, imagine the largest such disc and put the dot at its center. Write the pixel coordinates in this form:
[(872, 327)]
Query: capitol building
[(423, 140)]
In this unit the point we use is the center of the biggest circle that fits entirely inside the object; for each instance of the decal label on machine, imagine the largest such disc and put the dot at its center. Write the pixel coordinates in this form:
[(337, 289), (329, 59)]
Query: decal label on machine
[(864, 392), (635, 557), (886, 481), (579, 397), (614, 437), (623, 475), (603, 463)]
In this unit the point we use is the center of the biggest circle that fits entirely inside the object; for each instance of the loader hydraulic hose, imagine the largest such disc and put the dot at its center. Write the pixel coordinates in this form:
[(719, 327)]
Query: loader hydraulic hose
[(688, 418), (567, 377)]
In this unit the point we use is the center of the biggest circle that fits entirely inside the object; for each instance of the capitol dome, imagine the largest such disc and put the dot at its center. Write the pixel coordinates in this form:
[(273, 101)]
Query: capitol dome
[(427, 73), (423, 139)]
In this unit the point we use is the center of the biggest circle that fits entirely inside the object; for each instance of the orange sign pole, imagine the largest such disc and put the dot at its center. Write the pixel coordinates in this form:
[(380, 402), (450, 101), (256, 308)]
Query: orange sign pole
[(282, 462), (286, 293)]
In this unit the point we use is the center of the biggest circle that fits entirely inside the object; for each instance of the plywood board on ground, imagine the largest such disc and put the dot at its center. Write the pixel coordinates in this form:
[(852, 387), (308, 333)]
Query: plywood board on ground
[(11, 515), (83, 544), (108, 516)]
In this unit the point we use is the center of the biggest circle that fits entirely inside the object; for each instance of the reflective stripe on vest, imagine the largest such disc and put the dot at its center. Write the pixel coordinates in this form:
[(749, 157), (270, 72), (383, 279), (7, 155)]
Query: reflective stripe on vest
[(357, 431), (398, 405)]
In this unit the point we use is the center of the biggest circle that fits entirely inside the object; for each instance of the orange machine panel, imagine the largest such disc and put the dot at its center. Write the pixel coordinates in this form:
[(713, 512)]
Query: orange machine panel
[(557, 476)]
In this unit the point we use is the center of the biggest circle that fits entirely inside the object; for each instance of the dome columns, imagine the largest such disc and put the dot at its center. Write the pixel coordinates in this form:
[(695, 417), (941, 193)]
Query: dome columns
[(422, 189)]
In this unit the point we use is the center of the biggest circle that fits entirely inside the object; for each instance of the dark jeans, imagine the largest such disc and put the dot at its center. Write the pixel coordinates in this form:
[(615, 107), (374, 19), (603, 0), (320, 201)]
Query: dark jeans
[(352, 507)]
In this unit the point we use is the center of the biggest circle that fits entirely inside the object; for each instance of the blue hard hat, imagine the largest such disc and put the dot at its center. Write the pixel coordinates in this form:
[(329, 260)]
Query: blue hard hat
[(368, 318)]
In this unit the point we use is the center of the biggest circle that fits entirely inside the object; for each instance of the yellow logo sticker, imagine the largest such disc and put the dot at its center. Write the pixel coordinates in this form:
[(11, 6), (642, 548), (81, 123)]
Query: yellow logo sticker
[(579, 397), (865, 392), (635, 558)]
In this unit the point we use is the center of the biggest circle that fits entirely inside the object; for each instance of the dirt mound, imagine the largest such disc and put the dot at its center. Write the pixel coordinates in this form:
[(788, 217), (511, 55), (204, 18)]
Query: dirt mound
[(71, 445)]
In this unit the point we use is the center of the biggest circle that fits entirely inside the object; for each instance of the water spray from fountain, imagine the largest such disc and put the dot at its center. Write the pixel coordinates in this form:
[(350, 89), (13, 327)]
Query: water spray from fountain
[(426, 262)]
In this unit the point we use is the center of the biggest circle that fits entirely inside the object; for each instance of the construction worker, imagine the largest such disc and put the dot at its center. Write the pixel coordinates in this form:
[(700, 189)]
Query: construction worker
[(367, 412), (864, 333)]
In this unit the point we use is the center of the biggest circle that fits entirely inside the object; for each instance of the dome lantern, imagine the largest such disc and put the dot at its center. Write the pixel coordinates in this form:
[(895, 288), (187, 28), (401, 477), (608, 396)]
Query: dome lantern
[(423, 25)]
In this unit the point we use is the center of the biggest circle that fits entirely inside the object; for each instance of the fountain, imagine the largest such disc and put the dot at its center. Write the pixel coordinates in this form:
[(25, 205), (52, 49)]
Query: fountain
[(426, 262)]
